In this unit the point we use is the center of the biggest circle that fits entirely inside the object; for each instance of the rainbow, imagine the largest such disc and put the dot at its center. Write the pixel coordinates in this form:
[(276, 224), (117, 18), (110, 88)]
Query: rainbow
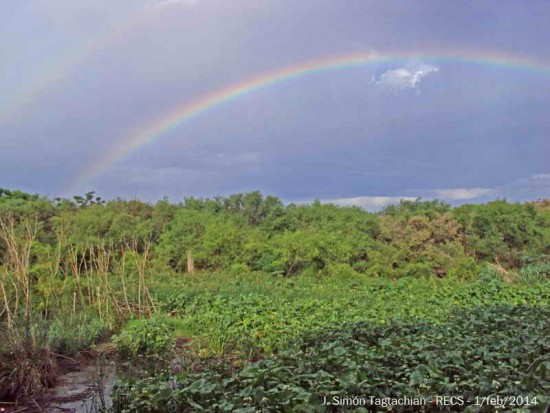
[(186, 112)]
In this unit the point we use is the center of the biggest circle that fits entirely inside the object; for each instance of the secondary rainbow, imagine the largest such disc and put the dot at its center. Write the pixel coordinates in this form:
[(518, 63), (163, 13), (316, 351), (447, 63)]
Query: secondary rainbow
[(175, 117), (60, 69)]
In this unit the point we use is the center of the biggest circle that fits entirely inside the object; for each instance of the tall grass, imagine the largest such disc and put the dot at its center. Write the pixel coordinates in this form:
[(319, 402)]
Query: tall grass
[(27, 365), (61, 299)]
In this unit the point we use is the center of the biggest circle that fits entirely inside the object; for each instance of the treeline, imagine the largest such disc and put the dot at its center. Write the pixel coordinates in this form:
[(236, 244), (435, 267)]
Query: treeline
[(250, 232)]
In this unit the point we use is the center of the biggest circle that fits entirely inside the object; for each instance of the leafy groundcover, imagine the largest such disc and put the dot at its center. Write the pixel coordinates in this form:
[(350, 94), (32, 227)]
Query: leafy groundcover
[(498, 352)]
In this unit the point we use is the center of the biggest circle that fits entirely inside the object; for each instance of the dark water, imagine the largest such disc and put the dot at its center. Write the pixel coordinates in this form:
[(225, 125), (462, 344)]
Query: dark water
[(83, 391)]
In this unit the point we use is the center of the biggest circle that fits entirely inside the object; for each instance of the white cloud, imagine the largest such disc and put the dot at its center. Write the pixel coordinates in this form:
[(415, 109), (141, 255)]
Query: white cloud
[(533, 187), (159, 4), (536, 186), (405, 77), (462, 194), (371, 203), (376, 203)]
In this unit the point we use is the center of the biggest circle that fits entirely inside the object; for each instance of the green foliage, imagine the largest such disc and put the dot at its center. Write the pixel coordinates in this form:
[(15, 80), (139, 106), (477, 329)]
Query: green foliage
[(88, 199), (503, 231), (72, 334), (145, 337), (496, 351), (535, 272), (252, 232), (216, 241), (424, 246), (115, 222), (407, 209), (229, 315)]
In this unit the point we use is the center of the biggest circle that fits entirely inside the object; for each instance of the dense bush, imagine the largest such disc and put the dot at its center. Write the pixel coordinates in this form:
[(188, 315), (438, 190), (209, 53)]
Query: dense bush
[(249, 232), (424, 246), (503, 231)]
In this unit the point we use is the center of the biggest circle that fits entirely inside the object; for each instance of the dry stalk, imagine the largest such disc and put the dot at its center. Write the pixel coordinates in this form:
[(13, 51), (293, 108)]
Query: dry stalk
[(17, 264)]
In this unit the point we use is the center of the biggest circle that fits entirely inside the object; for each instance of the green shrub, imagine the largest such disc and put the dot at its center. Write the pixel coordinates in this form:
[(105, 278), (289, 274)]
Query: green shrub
[(535, 272), (488, 273), (145, 337), (507, 231)]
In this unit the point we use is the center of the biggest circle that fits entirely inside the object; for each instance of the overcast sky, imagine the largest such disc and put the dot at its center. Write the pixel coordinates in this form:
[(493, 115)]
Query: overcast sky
[(76, 77)]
